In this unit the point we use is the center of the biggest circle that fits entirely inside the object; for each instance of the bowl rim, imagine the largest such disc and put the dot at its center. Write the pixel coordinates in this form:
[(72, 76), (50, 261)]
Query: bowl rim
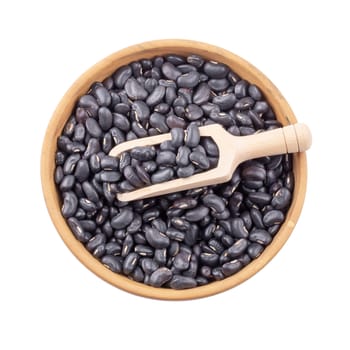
[(105, 68)]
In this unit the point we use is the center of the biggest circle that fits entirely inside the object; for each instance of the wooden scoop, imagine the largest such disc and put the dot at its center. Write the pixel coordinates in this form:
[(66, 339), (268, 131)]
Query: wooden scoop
[(233, 150)]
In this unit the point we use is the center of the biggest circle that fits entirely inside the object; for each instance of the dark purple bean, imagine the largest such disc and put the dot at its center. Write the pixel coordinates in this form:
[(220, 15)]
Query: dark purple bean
[(180, 224), (143, 153), (113, 263), (182, 157), (200, 160), (260, 198), (160, 276), (90, 191), (70, 204), (175, 234), (253, 173), (197, 213), (79, 133), (231, 267), (218, 85), (182, 282), (142, 174), (186, 171), (216, 246), (221, 118), (128, 244), (90, 105), (93, 127), (110, 175), (193, 112), (135, 90), (260, 236), (167, 146), (188, 80), (192, 135), (160, 256), (162, 175), (121, 76), (238, 248), (254, 250), (238, 228), (158, 121), (195, 60), (150, 214), (109, 163), (225, 101), (182, 260), (214, 202), (261, 107), (58, 175), (241, 89), (201, 94), (244, 103), (123, 219), (166, 158), (273, 217), (70, 163), (215, 70), (102, 95), (254, 92), (281, 199), (156, 239), (156, 96), (150, 166), (209, 259), (177, 136), (170, 71), (130, 263)]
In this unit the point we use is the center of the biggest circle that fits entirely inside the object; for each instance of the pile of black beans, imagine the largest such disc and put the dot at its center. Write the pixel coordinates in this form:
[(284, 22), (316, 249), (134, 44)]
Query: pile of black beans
[(181, 240), (185, 154)]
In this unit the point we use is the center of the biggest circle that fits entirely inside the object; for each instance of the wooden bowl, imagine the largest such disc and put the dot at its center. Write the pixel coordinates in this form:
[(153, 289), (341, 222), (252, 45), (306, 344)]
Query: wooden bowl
[(105, 68)]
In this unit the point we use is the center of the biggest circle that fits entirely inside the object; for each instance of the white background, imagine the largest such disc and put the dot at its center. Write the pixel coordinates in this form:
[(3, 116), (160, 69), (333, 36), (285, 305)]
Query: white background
[(48, 300)]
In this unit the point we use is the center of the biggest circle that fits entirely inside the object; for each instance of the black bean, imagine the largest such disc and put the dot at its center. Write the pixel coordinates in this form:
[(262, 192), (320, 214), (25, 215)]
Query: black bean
[(143, 153), (281, 199), (182, 260), (215, 70), (102, 95), (177, 136), (188, 80), (241, 88), (170, 71), (78, 231), (218, 85), (162, 175), (93, 147), (254, 92), (89, 104), (134, 89), (200, 160), (150, 214), (156, 238), (156, 96), (209, 259), (225, 101), (123, 219), (70, 204), (182, 157), (210, 146), (193, 112), (214, 202), (182, 282), (150, 166), (121, 76), (254, 250), (231, 267), (238, 228), (260, 236), (160, 276), (142, 174), (192, 135), (110, 175), (253, 173), (166, 158), (175, 234), (197, 214), (70, 163), (58, 174), (186, 171), (201, 94), (273, 217), (180, 224), (130, 263), (260, 198), (112, 262), (244, 103), (221, 118)]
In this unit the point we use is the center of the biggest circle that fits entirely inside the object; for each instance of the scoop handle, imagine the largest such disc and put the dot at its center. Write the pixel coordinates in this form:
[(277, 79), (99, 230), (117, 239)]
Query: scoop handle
[(289, 139)]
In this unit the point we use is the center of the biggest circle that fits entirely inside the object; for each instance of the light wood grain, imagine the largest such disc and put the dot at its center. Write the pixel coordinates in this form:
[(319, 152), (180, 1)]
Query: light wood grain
[(105, 68)]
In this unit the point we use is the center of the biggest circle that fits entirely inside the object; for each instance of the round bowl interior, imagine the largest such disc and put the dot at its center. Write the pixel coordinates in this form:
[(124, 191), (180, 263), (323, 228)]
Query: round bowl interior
[(105, 68)]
